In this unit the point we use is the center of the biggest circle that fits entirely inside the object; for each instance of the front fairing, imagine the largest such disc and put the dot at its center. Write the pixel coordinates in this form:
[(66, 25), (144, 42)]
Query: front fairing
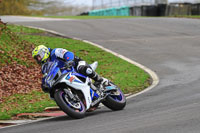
[(52, 74), (74, 82)]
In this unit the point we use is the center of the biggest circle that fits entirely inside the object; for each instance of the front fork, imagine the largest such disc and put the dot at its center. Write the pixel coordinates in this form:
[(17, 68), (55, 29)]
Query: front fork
[(69, 93)]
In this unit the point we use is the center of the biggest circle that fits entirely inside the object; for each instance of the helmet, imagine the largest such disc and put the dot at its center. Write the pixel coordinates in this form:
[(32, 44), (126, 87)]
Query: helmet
[(41, 54)]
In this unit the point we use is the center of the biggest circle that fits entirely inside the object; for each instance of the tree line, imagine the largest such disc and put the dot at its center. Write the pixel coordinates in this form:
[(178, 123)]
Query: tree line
[(38, 7), (19, 7)]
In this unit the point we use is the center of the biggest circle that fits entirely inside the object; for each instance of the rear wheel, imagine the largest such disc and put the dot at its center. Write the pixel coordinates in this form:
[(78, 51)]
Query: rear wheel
[(70, 104), (116, 100)]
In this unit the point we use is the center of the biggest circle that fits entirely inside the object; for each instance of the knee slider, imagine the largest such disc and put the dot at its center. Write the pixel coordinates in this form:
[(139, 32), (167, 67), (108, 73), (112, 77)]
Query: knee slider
[(86, 70), (89, 71)]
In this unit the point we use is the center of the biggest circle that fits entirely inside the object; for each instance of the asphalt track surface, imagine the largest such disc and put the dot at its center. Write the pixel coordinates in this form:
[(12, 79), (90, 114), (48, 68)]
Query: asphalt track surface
[(169, 46)]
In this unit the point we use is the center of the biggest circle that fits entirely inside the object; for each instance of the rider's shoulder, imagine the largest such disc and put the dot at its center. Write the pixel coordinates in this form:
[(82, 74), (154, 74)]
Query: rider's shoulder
[(59, 52)]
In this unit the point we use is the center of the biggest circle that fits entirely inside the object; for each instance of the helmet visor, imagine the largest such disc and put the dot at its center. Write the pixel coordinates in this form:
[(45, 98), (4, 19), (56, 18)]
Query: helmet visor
[(41, 53), (39, 57)]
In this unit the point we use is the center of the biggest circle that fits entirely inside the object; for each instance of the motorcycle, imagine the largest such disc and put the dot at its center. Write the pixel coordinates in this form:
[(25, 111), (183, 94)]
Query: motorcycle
[(75, 93)]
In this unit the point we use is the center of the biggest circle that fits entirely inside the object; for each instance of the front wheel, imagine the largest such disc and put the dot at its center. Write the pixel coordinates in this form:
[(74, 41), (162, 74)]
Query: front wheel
[(73, 107), (116, 100)]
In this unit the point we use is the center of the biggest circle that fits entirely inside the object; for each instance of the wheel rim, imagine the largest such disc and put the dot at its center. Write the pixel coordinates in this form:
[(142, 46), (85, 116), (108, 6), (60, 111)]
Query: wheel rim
[(69, 104), (119, 97)]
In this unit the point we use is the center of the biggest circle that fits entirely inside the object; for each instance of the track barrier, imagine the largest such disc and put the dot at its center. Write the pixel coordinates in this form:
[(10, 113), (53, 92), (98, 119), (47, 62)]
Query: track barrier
[(196, 9), (150, 10), (121, 11)]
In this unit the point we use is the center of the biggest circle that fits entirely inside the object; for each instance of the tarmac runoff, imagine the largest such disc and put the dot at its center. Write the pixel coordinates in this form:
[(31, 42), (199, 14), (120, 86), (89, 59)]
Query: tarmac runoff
[(52, 112)]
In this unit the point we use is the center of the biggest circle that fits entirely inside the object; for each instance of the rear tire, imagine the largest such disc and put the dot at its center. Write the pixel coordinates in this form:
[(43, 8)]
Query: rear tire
[(117, 102), (65, 106)]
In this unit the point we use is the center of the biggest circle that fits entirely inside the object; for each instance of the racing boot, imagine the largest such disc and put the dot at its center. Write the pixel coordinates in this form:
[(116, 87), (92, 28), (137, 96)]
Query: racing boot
[(100, 81), (87, 70)]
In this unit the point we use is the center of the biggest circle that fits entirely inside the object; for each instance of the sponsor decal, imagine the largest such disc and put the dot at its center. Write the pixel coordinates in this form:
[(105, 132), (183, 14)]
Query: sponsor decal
[(71, 79)]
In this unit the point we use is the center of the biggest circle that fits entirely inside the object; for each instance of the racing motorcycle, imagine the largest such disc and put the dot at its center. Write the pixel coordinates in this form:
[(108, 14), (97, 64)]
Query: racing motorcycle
[(75, 93)]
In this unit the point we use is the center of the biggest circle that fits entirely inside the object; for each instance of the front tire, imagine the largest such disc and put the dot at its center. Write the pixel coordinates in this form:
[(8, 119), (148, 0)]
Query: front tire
[(77, 113), (115, 102)]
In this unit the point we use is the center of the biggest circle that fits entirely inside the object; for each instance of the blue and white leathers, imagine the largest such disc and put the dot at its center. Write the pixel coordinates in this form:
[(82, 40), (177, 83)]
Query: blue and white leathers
[(60, 56), (60, 53)]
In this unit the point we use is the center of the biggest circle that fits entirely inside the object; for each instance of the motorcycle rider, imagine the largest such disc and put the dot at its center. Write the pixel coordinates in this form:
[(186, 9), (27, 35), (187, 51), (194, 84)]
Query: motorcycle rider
[(42, 55)]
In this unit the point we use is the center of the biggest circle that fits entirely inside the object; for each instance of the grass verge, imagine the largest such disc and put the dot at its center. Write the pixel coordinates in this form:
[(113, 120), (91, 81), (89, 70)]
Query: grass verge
[(128, 77)]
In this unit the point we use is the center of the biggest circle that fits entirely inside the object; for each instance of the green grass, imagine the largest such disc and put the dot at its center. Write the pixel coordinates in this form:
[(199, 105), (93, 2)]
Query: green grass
[(22, 29), (88, 17), (187, 16), (12, 47), (27, 103), (128, 77)]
